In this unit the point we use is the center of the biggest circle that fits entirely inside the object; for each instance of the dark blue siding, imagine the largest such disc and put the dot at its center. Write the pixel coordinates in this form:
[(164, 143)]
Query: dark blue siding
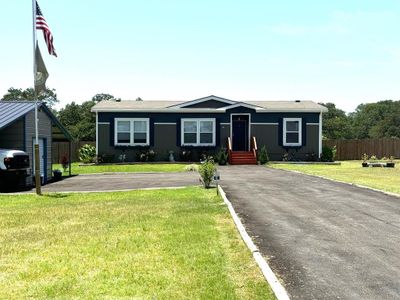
[(220, 118)]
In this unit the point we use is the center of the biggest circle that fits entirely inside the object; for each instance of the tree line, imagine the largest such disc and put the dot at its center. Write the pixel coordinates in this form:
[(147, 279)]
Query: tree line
[(370, 120)]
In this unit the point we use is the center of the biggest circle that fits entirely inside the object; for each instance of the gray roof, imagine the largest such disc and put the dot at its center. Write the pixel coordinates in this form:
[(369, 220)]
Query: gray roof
[(11, 111), (171, 106)]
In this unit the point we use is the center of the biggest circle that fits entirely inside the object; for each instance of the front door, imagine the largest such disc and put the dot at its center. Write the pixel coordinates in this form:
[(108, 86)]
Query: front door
[(240, 131)]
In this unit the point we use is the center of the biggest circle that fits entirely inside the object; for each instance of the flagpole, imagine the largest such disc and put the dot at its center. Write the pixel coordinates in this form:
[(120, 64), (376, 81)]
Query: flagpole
[(36, 152)]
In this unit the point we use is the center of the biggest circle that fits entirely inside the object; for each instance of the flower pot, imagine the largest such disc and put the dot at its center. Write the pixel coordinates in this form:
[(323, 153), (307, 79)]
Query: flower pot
[(364, 164), (57, 175)]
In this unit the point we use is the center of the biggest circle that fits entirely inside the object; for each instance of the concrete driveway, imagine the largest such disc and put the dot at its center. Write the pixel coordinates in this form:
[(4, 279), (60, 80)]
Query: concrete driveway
[(122, 181), (326, 240)]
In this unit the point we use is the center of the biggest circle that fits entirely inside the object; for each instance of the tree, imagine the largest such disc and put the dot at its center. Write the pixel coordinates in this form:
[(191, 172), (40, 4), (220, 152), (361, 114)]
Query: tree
[(79, 120), (336, 124), (377, 120), (101, 97), (49, 96)]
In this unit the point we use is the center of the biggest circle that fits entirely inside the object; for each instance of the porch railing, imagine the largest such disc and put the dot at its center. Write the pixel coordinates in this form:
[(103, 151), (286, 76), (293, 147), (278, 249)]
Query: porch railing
[(229, 150), (254, 146)]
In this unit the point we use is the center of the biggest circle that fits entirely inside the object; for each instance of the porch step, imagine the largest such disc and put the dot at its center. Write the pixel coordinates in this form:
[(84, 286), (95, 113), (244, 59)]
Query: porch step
[(243, 158)]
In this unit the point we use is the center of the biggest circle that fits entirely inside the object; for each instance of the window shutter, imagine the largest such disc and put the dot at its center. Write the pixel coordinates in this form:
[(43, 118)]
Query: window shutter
[(178, 132), (280, 132), (303, 132)]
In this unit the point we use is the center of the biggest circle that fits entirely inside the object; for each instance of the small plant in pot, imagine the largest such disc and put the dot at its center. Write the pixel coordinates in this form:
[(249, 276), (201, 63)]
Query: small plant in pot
[(364, 158), (390, 163)]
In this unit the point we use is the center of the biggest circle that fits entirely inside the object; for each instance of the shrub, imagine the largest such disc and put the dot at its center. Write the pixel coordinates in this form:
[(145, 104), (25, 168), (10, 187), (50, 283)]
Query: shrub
[(364, 157), (105, 158), (206, 171), (221, 157), (328, 153), (191, 168), (87, 153), (145, 155), (185, 155), (263, 157), (373, 158), (64, 163)]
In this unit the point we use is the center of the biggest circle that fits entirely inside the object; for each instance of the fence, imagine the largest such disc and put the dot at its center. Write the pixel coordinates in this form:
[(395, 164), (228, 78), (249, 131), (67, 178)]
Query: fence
[(61, 149), (346, 149), (354, 149)]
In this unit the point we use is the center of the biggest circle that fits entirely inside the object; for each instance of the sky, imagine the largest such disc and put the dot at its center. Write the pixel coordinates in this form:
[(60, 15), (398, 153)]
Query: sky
[(343, 51)]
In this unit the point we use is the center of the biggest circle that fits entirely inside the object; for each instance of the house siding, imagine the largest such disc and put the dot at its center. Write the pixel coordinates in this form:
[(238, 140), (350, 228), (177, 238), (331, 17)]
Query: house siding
[(12, 136), (45, 127), (166, 137)]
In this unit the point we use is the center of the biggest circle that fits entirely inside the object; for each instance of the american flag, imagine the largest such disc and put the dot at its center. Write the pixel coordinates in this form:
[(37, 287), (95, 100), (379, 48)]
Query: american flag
[(41, 24)]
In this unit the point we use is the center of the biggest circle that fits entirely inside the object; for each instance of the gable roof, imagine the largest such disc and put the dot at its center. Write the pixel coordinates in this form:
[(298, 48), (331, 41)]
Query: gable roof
[(11, 111), (203, 99), (184, 106)]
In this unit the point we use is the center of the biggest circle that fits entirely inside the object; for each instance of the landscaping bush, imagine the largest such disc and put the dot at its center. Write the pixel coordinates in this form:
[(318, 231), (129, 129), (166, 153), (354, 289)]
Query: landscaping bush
[(328, 154), (64, 163), (105, 158), (145, 155), (221, 157), (185, 155), (87, 153), (263, 157), (206, 171)]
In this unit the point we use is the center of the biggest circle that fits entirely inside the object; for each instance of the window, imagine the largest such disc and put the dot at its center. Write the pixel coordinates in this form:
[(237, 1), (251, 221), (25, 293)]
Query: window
[(292, 132), (198, 132), (131, 132)]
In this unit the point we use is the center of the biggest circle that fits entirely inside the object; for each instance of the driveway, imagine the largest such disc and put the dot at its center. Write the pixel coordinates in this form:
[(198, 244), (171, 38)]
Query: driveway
[(122, 181), (326, 240)]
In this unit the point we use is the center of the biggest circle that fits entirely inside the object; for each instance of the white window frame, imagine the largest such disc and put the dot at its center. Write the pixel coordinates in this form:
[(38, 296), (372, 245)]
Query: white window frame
[(198, 120), (131, 127), (285, 120)]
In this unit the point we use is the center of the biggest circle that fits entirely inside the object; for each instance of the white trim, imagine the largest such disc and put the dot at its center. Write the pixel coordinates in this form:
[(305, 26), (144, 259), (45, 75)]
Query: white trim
[(225, 124), (204, 99), (202, 110), (299, 131), (131, 124), (231, 127), (241, 104), (198, 120), (275, 124), (160, 123), (313, 124), (103, 123), (320, 135), (97, 134)]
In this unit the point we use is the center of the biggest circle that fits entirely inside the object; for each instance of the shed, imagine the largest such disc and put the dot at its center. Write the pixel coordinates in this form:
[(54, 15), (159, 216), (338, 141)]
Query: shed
[(17, 131)]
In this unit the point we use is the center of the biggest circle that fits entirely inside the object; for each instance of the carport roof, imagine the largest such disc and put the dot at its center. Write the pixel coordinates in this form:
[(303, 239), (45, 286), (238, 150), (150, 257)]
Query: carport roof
[(11, 111)]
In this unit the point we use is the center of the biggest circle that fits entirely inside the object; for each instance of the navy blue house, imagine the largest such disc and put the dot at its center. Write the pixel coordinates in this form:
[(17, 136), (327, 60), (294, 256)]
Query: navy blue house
[(286, 128)]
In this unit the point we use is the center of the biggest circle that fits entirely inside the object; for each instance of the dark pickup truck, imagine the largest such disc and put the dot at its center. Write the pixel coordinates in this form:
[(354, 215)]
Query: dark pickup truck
[(14, 168)]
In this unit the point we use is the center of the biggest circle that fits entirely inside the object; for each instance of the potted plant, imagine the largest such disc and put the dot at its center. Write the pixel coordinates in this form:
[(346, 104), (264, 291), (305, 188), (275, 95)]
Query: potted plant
[(171, 156), (390, 163), (57, 175), (364, 158)]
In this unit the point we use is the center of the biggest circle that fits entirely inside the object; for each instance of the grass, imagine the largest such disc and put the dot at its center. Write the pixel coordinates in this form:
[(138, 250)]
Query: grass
[(77, 169), (385, 179), (164, 244)]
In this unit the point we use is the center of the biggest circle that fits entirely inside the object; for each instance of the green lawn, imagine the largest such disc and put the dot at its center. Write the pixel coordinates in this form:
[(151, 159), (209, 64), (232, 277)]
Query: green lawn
[(164, 244), (385, 179), (77, 169)]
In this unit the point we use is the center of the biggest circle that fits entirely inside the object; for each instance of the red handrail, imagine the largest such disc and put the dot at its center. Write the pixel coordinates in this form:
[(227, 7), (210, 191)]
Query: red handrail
[(229, 150)]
